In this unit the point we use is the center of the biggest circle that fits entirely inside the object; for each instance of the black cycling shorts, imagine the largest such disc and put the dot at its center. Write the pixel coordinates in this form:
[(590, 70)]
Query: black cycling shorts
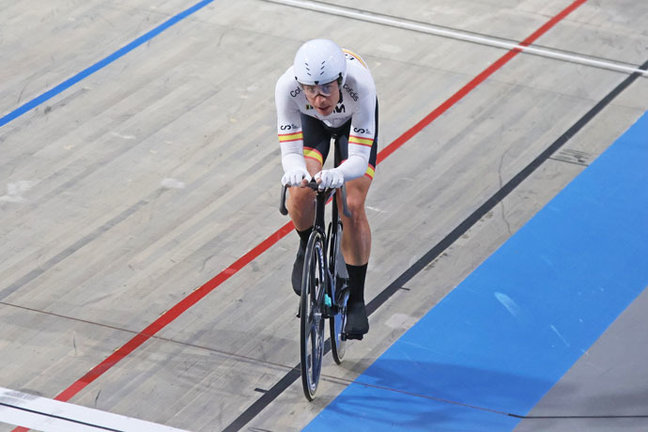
[(317, 141)]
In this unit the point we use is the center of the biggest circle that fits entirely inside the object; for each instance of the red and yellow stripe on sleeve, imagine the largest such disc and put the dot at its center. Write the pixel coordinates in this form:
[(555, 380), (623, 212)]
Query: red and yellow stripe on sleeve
[(297, 136), (371, 171), (367, 142), (311, 153)]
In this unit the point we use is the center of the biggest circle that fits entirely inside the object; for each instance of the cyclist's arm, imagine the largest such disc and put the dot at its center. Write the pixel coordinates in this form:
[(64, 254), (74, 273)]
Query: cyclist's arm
[(289, 129), (361, 136)]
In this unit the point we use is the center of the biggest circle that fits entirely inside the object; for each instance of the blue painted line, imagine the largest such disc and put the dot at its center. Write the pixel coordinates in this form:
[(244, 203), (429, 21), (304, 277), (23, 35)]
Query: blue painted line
[(499, 341), (101, 63)]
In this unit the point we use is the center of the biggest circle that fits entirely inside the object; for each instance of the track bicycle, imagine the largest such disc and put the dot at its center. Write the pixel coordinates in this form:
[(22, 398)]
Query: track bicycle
[(324, 288)]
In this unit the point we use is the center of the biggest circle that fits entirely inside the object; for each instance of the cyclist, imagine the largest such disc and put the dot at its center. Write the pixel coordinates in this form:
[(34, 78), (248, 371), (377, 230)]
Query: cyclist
[(329, 93)]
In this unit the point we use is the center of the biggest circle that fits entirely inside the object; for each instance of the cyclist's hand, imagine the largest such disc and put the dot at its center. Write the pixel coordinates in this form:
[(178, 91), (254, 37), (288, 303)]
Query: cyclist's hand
[(332, 178), (296, 177)]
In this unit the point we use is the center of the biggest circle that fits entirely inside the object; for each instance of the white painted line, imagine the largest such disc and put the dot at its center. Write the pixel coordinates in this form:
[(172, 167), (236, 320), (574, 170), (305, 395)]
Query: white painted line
[(48, 415), (457, 34)]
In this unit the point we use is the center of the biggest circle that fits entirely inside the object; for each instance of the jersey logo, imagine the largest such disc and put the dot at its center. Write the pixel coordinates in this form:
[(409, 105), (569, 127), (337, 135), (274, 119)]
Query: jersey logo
[(340, 108), (351, 91), (287, 127)]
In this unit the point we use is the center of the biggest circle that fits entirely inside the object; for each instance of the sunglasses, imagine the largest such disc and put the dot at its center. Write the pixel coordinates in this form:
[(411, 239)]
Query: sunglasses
[(323, 89)]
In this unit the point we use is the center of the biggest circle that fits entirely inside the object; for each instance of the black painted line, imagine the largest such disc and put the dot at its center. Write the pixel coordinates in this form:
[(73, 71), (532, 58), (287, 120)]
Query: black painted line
[(490, 204), (264, 400), (580, 417), (54, 416)]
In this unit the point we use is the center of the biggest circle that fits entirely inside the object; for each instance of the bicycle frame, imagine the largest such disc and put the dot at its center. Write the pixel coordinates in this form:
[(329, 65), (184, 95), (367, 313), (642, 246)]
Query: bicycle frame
[(322, 294), (319, 223)]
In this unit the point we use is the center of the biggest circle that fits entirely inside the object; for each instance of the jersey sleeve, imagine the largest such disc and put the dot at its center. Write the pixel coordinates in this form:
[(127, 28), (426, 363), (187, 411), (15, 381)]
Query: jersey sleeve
[(362, 132), (289, 128)]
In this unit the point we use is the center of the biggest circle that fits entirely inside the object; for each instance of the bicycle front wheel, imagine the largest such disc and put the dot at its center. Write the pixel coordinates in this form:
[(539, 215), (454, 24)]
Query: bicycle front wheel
[(337, 322), (311, 315)]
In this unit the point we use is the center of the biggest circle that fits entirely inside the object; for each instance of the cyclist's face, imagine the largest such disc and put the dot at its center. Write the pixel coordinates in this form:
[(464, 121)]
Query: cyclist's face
[(323, 97)]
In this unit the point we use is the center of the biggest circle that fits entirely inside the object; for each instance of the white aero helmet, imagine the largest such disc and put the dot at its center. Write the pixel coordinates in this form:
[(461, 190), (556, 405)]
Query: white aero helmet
[(319, 61)]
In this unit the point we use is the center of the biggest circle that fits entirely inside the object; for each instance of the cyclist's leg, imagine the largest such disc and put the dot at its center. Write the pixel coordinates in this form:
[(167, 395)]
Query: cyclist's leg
[(356, 248), (300, 201), (316, 146), (356, 238), (356, 241)]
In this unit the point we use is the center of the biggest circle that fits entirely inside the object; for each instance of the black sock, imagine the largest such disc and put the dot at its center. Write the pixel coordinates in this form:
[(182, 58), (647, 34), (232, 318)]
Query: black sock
[(303, 236), (356, 282)]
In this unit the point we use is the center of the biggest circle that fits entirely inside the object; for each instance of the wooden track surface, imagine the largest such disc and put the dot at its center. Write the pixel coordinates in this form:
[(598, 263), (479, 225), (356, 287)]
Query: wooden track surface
[(143, 181)]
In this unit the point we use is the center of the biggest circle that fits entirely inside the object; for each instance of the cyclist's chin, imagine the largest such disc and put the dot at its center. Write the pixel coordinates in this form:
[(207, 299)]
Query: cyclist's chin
[(326, 110)]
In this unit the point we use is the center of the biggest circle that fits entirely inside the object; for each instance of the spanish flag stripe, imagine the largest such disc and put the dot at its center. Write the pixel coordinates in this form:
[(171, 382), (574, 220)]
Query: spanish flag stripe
[(371, 171), (291, 137), (313, 154), (362, 141)]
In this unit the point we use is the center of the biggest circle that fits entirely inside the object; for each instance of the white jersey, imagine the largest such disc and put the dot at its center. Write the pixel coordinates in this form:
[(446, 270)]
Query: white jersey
[(358, 103)]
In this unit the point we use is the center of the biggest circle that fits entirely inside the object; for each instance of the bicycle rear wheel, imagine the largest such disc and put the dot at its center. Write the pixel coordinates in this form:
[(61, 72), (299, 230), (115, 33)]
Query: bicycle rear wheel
[(338, 320), (311, 315)]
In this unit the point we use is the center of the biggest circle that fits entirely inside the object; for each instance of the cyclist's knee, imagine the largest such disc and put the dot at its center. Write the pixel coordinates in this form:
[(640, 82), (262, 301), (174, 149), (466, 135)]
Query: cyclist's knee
[(356, 205), (300, 197), (357, 195)]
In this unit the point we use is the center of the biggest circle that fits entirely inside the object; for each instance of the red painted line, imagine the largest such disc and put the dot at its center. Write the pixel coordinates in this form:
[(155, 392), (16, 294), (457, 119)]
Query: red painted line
[(197, 295), (552, 22), (173, 313), (452, 100), (398, 142)]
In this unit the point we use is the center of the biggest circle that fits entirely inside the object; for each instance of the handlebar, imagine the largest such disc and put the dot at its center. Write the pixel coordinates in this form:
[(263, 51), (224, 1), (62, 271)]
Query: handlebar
[(314, 186)]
